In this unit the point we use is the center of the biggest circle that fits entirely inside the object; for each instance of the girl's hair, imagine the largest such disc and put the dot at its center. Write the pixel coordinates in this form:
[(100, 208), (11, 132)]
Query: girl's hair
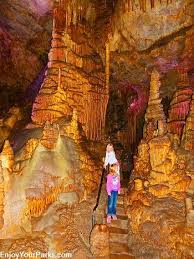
[(112, 168), (109, 148)]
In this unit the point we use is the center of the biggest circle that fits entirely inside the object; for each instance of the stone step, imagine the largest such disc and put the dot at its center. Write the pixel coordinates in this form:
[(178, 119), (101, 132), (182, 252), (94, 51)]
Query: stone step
[(118, 230), (124, 217), (120, 214), (120, 211), (119, 223), (120, 199), (119, 238), (119, 248)]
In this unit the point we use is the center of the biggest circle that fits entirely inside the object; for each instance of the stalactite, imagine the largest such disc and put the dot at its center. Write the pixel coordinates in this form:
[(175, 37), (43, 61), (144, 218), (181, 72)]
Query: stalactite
[(152, 2), (129, 5), (52, 103), (132, 6), (107, 72), (36, 206), (130, 132), (141, 4), (54, 24), (59, 79), (95, 120)]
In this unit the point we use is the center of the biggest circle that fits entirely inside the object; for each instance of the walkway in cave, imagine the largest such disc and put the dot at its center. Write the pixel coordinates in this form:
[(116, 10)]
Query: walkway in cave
[(118, 229), (119, 248)]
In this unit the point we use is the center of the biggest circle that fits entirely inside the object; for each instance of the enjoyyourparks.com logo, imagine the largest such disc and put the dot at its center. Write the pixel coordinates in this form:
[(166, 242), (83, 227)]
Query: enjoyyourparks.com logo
[(33, 255)]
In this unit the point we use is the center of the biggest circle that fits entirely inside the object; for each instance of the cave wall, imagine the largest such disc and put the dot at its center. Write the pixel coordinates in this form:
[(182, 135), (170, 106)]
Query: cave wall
[(78, 51), (25, 34)]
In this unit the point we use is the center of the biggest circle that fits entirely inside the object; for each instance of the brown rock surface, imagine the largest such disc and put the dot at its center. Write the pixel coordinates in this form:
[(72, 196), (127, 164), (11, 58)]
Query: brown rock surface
[(100, 241), (162, 210), (180, 104)]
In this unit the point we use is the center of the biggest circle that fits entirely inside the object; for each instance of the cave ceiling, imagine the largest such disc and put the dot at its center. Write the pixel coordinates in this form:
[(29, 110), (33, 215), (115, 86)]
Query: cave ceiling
[(139, 39)]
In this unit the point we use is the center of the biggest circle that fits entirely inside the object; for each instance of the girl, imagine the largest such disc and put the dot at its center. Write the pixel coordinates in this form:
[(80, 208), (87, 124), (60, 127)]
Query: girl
[(110, 158), (113, 189)]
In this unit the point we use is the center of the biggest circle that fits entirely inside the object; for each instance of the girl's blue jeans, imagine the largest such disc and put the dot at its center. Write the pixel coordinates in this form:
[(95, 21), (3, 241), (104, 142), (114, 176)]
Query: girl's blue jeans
[(112, 203)]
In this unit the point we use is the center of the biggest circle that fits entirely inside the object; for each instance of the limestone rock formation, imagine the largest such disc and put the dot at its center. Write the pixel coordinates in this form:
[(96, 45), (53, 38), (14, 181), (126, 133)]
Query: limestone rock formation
[(180, 104), (64, 87), (1, 196), (154, 113), (53, 167), (48, 187), (7, 156), (188, 129), (7, 124), (142, 161), (100, 241), (50, 135), (161, 200)]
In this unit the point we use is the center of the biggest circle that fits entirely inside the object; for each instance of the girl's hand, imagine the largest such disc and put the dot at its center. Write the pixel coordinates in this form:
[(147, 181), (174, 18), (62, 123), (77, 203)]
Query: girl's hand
[(109, 194)]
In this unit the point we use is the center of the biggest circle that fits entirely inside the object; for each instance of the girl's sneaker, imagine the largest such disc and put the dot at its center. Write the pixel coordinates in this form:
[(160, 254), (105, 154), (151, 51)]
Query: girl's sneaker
[(108, 219), (114, 217)]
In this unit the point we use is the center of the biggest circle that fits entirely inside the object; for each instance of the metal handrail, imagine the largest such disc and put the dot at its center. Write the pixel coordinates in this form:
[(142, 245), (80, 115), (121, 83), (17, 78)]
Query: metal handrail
[(98, 197)]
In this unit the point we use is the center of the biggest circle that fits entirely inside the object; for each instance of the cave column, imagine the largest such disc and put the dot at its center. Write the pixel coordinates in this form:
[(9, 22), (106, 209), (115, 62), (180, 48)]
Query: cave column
[(180, 104)]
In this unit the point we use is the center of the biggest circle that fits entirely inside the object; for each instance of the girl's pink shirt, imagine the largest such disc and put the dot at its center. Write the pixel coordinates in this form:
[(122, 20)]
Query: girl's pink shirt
[(109, 184)]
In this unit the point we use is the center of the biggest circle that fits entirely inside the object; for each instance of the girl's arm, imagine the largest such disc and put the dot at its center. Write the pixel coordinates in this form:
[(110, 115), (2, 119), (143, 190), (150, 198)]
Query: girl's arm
[(119, 186)]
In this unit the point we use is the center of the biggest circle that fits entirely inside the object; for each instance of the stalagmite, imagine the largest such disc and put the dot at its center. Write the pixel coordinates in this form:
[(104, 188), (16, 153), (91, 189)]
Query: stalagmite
[(29, 148), (189, 204), (154, 112), (138, 185), (142, 161), (7, 156), (72, 130), (50, 135)]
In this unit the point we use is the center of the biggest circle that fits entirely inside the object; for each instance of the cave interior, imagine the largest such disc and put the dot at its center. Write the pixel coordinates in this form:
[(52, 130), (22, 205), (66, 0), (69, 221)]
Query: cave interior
[(75, 76)]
